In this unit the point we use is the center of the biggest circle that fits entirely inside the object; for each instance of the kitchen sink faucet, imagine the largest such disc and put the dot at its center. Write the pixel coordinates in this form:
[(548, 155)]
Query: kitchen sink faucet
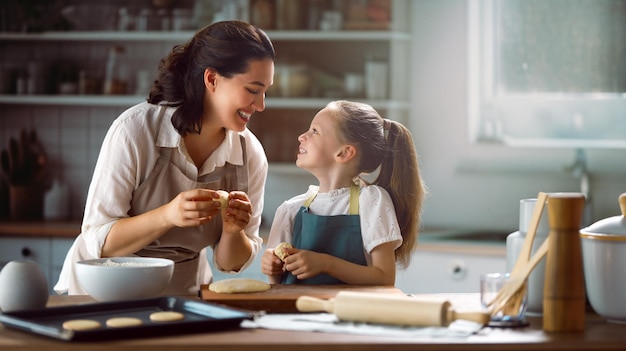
[(580, 170)]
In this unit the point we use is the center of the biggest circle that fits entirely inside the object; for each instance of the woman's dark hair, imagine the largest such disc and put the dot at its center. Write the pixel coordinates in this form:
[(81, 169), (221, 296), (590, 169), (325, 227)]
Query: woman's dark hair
[(386, 146), (228, 47)]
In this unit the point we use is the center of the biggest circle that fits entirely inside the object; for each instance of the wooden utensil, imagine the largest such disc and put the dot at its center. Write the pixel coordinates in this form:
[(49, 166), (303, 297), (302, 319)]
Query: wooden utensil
[(281, 298), (524, 254), (564, 290), (510, 297), (389, 309), (511, 292), (512, 307)]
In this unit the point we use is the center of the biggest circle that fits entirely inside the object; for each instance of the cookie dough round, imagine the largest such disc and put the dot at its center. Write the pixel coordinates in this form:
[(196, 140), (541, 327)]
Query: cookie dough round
[(279, 250), (166, 316), (121, 322), (223, 198), (238, 285), (81, 324)]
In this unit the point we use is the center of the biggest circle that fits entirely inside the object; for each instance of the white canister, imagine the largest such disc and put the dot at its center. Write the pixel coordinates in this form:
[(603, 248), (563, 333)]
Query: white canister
[(23, 286), (514, 243), (376, 79), (353, 84), (56, 202)]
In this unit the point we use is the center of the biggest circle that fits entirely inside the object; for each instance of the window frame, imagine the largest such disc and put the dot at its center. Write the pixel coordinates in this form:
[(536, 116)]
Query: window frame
[(518, 120)]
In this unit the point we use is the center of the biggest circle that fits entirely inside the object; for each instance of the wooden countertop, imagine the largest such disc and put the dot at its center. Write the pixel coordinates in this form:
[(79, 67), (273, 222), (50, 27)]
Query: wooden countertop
[(63, 229), (598, 335), (71, 229)]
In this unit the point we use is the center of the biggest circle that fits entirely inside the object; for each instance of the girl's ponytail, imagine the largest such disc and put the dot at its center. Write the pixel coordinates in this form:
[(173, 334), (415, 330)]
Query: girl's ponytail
[(399, 175)]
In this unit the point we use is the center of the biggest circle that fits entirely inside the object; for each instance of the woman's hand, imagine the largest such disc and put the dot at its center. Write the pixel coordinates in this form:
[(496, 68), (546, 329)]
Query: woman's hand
[(237, 215), (192, 208)]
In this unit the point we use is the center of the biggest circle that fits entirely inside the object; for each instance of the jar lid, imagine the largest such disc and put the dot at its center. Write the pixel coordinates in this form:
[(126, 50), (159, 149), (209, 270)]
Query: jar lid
[(612, 228)]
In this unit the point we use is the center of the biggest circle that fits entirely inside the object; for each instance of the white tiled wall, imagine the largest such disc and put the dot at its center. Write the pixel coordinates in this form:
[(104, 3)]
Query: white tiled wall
[(71, 137)]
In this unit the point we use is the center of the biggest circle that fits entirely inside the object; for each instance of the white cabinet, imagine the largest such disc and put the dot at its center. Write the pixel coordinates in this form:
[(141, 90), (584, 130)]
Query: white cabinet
[(47, 252), (434, 270)]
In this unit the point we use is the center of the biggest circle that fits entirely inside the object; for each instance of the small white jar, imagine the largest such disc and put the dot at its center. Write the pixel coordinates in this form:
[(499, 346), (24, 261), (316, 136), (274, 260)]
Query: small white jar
[(23, 286)]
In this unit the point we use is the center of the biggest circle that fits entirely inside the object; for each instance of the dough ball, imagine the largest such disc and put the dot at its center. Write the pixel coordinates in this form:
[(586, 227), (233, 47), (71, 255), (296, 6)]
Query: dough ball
[(120, 322), (279, 250), (81, 324), (238, 285), (223, 198), (166, 316)]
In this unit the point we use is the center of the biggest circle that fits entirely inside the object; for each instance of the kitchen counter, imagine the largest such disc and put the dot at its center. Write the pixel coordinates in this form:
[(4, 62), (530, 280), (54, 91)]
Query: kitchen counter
[(598, 335), (479, 242), (61, 229), (488, 241)]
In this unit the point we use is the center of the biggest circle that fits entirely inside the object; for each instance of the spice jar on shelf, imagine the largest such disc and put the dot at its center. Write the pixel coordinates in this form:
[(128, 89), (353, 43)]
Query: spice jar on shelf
[(263, 14), (114, 82)]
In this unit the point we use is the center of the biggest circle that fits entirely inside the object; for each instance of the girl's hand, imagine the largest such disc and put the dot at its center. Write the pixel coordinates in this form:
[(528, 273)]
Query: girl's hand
[(192, 208), (271, 265), (305, 264), (237, 215)]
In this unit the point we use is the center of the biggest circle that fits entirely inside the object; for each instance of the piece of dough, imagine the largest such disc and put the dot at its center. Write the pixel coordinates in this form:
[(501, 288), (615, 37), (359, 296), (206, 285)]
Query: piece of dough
[(166, 316), (81, 324), (120, 322), (279, 250), (223, 198), (238, 285)]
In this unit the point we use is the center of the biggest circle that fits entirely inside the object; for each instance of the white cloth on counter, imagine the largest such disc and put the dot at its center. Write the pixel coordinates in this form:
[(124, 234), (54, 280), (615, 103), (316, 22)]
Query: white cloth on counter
[(328, 323)]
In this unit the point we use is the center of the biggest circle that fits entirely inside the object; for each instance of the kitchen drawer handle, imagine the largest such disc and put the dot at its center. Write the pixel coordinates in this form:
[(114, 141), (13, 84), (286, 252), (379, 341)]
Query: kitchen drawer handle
[(26, 251), (457, 270)]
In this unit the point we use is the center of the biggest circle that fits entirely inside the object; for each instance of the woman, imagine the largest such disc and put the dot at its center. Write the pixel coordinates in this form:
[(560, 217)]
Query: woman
[(153, 191)]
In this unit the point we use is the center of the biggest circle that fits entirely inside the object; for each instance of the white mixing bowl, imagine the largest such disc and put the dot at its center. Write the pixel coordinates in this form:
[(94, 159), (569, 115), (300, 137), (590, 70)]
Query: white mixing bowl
[(124, 278)]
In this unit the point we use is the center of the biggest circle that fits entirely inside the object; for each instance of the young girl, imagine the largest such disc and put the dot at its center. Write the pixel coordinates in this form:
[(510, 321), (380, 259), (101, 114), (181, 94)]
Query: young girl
[(346, 230)]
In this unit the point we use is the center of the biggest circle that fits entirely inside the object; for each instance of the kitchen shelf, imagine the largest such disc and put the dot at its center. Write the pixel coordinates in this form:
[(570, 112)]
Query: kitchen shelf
[(129, 100), (183, 36), (331, 55)]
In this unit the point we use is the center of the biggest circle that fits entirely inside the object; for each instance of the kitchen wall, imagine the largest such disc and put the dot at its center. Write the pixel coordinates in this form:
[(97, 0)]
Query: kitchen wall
[(470, 186)]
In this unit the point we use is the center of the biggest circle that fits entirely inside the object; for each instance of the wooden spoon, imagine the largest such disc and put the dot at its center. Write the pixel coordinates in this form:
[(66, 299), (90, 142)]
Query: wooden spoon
[(516, 282), (510, 301), (524, 254)]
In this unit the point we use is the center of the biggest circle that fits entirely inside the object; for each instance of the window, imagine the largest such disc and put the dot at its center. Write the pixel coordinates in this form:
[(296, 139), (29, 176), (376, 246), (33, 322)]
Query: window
[(548, 72)]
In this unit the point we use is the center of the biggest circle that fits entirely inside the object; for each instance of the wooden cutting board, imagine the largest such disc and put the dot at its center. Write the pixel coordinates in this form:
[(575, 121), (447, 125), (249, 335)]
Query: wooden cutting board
[(281, 298)]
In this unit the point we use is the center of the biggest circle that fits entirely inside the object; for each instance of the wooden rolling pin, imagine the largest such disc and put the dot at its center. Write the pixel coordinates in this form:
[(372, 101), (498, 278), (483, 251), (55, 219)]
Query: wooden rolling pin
[(386, 309)]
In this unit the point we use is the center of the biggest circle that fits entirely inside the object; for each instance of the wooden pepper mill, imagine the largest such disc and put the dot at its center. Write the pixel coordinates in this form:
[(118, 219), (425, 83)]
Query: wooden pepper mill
[(564, 286)]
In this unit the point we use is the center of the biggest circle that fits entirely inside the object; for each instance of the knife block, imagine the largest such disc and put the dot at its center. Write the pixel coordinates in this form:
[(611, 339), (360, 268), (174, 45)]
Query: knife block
[(25, 202)]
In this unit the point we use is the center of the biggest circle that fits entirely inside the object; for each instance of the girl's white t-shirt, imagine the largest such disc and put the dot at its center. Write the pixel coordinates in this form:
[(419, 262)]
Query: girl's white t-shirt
[(377, 215)]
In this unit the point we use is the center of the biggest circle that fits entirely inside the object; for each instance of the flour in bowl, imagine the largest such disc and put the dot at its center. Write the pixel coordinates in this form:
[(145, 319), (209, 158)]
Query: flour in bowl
[(111, 263)]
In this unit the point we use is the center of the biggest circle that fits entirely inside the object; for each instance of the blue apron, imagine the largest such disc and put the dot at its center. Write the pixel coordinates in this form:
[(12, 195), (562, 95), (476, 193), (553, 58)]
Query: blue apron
[(339, 236)]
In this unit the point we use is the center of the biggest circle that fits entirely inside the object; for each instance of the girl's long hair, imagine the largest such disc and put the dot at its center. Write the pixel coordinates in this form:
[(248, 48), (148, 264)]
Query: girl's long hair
[(386, 146)]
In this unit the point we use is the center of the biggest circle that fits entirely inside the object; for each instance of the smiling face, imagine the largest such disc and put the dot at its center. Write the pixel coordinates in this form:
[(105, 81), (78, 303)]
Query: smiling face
[(233, 100), (319, 145)]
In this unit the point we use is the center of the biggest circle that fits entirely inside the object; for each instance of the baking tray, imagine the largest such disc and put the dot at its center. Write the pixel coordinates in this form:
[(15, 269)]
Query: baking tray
[(200, 316)]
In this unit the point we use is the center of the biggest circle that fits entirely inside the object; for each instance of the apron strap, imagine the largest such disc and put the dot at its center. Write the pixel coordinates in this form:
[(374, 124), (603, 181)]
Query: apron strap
[(354, 200), (308, 201)]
